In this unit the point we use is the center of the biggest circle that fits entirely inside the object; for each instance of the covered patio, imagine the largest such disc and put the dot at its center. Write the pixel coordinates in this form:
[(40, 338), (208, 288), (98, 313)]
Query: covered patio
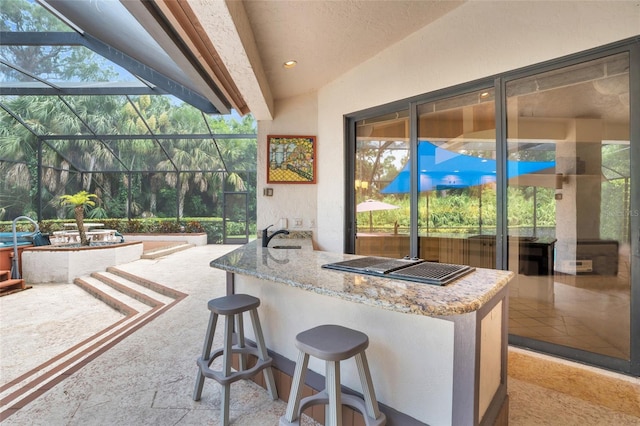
[(228, 56)]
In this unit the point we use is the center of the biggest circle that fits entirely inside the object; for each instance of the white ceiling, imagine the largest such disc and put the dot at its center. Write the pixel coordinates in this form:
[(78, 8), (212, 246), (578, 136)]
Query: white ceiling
[(329, 37)]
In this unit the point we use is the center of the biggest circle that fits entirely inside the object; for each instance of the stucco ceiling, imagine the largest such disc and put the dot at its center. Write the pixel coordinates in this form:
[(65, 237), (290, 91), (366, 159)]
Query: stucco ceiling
[(327, 38)]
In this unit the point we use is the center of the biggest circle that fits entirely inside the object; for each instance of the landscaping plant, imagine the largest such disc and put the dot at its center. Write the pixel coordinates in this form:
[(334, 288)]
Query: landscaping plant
[(79, 201)]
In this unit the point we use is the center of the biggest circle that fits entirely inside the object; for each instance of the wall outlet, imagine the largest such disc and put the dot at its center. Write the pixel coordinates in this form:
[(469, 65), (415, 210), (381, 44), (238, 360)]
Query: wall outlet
[(312, 223), (297, 222)]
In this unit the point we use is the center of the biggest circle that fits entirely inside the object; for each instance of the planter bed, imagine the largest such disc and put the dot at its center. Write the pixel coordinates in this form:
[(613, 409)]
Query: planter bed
[(48, 264)]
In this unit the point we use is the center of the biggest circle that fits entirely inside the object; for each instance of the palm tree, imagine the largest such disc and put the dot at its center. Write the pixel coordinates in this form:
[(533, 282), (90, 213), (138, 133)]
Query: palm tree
[(79, 201)]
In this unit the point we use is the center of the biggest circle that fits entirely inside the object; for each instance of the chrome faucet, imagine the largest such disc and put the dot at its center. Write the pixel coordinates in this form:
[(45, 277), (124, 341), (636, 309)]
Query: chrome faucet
[(266, 238)]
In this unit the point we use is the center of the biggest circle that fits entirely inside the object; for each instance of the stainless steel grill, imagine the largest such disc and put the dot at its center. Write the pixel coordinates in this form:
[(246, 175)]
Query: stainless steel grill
[(416, 270)]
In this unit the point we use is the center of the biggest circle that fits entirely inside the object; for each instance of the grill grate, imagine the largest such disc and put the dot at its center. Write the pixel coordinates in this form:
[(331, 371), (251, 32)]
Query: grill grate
[(433, 273), (381, 265)]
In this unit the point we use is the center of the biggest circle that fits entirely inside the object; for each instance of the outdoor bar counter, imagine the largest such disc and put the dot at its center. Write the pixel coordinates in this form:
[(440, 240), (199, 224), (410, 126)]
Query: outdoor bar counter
[(438, 354)]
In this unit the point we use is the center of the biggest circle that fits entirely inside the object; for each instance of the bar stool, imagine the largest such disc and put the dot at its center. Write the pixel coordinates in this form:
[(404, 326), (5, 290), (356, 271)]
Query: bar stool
[(333, 343), (232, 307)]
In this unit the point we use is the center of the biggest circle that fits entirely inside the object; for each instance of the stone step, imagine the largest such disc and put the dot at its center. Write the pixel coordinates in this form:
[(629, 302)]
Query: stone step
[(149, 296), (165, 251), (157, 288), (118, 298)]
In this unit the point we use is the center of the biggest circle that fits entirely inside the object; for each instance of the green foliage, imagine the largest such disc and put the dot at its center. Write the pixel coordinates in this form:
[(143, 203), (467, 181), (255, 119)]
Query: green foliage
[(193, 193), (81, 198), (211, 226), (98, 213), (22, 15), (462, 211), (193, 226)]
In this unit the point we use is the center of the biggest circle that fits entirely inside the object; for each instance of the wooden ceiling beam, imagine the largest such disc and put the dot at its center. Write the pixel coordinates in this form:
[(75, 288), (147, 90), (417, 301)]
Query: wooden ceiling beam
[(186, 26)]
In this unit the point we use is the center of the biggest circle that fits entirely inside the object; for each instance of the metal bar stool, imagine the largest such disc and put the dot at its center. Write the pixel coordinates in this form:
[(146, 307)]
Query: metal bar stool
[(232, 307), (333, 343)]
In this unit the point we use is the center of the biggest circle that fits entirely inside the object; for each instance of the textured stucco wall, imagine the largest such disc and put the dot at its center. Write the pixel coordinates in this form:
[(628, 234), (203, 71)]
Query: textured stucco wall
[(294, 116)]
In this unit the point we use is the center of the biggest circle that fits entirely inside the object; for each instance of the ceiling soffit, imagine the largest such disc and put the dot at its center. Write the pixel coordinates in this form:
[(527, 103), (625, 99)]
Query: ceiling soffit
[(178, 19), (226, 25)]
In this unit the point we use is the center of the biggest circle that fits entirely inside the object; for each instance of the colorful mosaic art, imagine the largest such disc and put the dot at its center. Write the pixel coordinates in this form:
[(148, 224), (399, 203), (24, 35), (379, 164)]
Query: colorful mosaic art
[(291, 159)]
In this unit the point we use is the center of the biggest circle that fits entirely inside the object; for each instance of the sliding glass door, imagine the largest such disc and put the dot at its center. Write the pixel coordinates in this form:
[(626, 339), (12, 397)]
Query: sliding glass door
[(573, 285), (530, 171)]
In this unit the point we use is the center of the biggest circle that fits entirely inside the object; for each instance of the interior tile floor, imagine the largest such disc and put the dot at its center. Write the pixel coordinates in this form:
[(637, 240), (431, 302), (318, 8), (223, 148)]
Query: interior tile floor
[(147, 378), (587, 312)]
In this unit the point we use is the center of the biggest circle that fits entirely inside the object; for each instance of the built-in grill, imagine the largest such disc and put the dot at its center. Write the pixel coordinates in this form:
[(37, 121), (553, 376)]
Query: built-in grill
[(416, 270)]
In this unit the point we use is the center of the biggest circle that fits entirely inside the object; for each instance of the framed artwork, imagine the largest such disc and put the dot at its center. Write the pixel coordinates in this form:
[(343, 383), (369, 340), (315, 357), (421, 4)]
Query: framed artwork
[(291, 159)]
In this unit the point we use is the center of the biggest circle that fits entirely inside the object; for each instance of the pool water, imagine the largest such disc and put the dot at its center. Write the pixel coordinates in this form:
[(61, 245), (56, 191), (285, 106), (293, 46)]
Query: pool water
[(4, 244), (21, 236)]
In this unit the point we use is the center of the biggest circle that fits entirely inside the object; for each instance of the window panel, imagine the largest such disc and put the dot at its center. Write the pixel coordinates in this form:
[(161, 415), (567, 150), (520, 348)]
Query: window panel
[(569, 226)]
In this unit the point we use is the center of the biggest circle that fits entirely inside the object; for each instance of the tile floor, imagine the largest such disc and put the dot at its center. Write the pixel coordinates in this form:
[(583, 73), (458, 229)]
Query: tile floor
[(584, 312), (147, 378)]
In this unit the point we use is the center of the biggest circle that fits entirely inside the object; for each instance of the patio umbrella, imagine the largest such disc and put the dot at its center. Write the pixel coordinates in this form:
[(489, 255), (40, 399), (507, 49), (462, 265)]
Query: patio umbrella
[(443, 169), (371, 206)]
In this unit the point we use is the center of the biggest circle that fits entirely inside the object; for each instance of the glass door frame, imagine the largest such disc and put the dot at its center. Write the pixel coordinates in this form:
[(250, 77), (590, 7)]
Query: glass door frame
[(498, 83), (632, 47)]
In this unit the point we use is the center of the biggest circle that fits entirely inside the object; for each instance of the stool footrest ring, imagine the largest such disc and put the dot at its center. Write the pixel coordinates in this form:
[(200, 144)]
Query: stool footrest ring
[(219, 377), (322, 398)]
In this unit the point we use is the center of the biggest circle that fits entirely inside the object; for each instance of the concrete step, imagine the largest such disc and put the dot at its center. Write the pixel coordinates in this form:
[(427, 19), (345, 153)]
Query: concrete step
[(165, 251), (157, 288)]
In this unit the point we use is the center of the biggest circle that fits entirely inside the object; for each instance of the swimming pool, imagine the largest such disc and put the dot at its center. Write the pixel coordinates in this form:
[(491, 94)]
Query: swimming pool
[(4, 244), (7, 237)]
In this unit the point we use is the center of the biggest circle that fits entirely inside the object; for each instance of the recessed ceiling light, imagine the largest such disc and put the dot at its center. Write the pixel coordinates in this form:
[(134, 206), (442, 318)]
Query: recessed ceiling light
[(290, 64)]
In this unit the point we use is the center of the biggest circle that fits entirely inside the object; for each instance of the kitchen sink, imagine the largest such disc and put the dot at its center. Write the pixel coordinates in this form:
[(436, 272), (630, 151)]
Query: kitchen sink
[(286, 247)]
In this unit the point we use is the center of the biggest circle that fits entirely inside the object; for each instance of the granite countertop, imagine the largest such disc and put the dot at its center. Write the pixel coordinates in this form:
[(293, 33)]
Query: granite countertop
[(302, 268)]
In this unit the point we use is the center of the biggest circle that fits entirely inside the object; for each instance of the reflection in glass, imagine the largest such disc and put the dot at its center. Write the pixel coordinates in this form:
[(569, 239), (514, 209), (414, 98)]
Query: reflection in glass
[(382, 150), (457, 175), (572, 286)]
